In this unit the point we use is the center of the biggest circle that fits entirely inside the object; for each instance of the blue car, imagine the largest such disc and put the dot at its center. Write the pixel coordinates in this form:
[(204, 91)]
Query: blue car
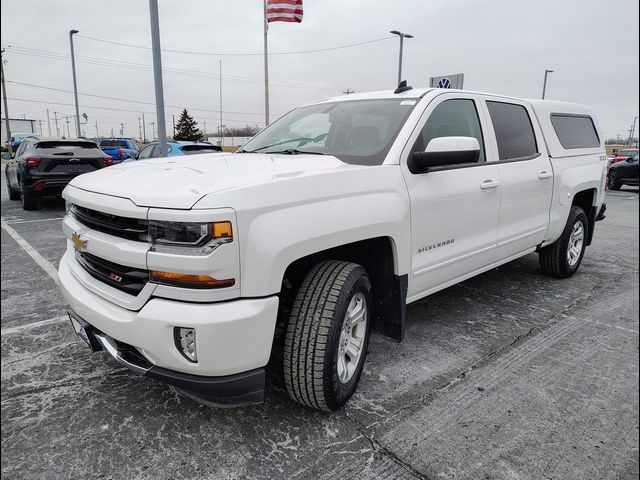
[(18, 138), (119, 149), (177, 149)]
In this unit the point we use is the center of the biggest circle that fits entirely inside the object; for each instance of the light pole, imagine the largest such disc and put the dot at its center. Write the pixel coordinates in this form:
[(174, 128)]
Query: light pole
[(75, 83), (6, 107), (544, 85), (402, 37), (157, 76)]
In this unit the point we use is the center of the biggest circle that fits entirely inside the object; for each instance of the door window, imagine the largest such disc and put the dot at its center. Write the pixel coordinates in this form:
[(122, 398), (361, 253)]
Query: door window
[(514, 131), (452, 118)]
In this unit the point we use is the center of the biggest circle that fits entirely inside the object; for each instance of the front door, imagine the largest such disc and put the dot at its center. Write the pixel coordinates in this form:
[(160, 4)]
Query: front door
[(454, 210)]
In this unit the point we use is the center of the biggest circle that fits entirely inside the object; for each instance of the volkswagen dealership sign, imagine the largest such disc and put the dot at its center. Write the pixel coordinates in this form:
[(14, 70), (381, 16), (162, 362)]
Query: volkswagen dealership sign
[(447, 81)]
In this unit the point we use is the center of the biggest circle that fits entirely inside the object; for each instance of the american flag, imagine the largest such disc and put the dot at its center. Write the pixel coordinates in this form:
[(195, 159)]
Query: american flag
[(284, 11)]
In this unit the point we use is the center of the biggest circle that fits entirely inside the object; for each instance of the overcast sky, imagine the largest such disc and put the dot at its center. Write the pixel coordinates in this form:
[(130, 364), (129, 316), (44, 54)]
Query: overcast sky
[(501, 46)]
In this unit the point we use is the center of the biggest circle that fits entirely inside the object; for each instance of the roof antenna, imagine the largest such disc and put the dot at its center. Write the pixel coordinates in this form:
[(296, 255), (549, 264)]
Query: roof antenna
[(402, 87)]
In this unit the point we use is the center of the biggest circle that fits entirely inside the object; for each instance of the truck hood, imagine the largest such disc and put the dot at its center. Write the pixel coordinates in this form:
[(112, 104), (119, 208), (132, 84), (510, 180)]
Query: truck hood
[(180, 182)]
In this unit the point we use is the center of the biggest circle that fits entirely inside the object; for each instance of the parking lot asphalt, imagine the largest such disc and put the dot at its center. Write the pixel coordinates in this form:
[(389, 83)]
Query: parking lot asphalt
[(510, 375)]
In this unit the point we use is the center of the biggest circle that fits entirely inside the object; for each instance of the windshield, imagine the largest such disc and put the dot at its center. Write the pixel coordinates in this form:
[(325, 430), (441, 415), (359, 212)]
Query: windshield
[(114, 143), (357, 131)]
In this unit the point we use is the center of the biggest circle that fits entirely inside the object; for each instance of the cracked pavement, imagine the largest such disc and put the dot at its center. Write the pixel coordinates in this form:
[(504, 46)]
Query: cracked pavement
[(510, 375)]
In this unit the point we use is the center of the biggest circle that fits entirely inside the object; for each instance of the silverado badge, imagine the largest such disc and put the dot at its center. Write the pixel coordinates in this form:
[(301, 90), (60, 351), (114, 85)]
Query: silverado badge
[(78, 243)]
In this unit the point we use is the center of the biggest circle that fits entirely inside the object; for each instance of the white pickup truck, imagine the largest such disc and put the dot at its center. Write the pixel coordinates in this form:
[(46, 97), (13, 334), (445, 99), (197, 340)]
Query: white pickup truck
[(195, 270)]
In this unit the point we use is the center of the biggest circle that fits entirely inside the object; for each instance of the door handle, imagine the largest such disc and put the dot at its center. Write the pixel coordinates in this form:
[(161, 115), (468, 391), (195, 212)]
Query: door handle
[(543, 175), (487, 184)]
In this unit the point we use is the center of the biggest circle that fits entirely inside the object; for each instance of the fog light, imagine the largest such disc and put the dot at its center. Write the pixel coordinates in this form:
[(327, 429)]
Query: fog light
[(185, 339)]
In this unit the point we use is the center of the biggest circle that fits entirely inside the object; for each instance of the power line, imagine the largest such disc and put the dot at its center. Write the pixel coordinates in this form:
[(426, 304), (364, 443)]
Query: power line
[(126, 99), (245, 121), (191, 52), (144, 67)]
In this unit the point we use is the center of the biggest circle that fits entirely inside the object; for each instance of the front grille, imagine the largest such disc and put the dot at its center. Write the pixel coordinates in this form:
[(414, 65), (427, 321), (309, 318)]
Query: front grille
[(127, 279), (123, 227)]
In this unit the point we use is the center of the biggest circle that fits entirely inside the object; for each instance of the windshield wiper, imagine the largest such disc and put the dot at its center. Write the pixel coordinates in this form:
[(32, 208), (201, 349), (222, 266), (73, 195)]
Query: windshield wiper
[(295, 151)]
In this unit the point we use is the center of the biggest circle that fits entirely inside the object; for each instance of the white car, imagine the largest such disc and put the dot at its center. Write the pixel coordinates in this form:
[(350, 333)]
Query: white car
[(319, 231)]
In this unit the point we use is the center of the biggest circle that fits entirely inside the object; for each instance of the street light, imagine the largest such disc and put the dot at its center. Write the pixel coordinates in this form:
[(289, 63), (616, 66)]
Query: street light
[(75, 83), (544, 86), (402, 37)]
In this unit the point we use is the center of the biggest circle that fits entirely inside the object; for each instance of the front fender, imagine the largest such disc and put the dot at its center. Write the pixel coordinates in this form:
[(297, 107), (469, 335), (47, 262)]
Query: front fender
[(274, 240)]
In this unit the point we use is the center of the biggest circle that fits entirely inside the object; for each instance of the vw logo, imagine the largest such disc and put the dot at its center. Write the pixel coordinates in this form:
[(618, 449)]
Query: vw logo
[(444, 83)]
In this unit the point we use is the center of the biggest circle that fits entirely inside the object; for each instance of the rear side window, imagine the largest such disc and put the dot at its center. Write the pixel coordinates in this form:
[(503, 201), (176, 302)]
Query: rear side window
[(575, 131), (514, 131)]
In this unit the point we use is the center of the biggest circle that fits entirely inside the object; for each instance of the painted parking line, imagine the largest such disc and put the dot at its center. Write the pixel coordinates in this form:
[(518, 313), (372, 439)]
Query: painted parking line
[(16, 222), (20, 328), (45, 264)]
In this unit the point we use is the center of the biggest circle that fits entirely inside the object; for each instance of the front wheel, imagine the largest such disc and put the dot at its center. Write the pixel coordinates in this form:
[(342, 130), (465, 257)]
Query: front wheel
[(327, 335), (562, 258)]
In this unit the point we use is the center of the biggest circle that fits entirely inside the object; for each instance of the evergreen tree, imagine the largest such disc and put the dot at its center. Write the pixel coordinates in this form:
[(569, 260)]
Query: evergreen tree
[(187, 128)]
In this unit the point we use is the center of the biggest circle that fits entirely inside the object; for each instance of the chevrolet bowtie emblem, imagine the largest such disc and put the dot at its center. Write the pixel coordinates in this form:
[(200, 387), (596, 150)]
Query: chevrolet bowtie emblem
[(77, 241)]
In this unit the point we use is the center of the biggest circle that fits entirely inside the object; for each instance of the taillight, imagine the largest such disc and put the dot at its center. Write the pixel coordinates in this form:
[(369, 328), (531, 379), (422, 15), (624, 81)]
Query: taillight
[(108, 161), (32, 162), (120, 153)]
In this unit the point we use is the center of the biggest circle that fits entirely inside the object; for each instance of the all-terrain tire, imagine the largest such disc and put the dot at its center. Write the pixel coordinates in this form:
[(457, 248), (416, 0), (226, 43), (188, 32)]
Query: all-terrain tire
[(555, 259), (316, 331)]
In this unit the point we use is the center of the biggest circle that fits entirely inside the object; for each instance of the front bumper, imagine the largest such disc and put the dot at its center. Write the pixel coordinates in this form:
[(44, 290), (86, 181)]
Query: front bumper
[(232, 337), (241, 389)]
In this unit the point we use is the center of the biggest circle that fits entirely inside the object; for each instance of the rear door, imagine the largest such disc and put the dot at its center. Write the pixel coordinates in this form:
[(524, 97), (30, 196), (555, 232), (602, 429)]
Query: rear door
[(526, 176), (68, 157), (629, 169), (454, 209)]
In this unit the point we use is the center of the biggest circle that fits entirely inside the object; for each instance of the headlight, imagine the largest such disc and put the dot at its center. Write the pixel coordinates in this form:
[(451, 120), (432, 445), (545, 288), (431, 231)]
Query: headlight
[(188, 238)]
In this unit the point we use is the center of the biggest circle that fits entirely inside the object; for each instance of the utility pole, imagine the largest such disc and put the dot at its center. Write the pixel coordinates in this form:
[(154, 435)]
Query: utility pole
[(40, 126), (204, 129), (144, 130), (402, 37), (66, 119), (55, 119), (122, 130), (347, 92), (153, 126), (139, 129), (97, 135), (75, 83), (48, 122), (157, 75), (544, 85), (6, 107), (632, 133), (220, 95), (173, 121)]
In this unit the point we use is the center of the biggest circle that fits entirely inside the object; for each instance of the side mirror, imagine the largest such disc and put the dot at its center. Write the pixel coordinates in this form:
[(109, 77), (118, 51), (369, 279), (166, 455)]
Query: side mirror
[(7, 156), (444, 151), (629, 159)]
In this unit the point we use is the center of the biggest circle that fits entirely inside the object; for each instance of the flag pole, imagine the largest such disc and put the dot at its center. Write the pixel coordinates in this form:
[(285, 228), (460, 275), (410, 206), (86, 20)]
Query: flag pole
[(266, 68)]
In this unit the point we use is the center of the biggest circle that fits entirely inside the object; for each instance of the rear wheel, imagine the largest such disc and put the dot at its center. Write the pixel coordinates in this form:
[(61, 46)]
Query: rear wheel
[(29, 202), (327, 335), (613, 181), (562, 258), (13, 194)]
